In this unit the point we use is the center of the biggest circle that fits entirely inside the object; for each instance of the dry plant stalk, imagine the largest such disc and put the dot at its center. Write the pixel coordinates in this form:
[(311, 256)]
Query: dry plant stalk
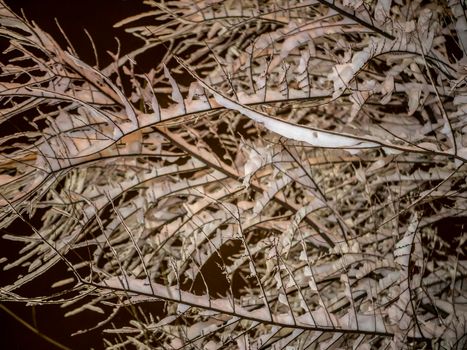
[(277, 179)]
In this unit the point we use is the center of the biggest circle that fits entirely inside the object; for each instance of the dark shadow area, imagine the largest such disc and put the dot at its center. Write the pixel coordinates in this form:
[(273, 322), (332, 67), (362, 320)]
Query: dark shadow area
[(97, 17)]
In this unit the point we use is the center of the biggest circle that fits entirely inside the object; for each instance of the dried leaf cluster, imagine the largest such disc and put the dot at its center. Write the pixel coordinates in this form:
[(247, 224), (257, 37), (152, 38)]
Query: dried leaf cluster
[(277, 180)]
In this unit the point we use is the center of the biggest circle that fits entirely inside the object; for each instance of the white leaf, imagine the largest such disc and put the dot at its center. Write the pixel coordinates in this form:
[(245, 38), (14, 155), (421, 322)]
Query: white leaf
[(63, 282), (314, 137), (176, 94), (386, 89), (252, 269), (413, 94), (403, 247), (156, 108), (312, 285), (283, 299), (382, 10)]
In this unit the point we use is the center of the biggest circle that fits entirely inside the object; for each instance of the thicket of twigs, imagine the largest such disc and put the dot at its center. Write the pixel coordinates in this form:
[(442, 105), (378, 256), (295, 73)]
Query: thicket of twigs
[(277, 180)]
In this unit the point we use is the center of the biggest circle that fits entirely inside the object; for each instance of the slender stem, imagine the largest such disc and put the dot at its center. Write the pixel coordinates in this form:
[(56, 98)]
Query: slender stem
[(357, 19), (33, 329)]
